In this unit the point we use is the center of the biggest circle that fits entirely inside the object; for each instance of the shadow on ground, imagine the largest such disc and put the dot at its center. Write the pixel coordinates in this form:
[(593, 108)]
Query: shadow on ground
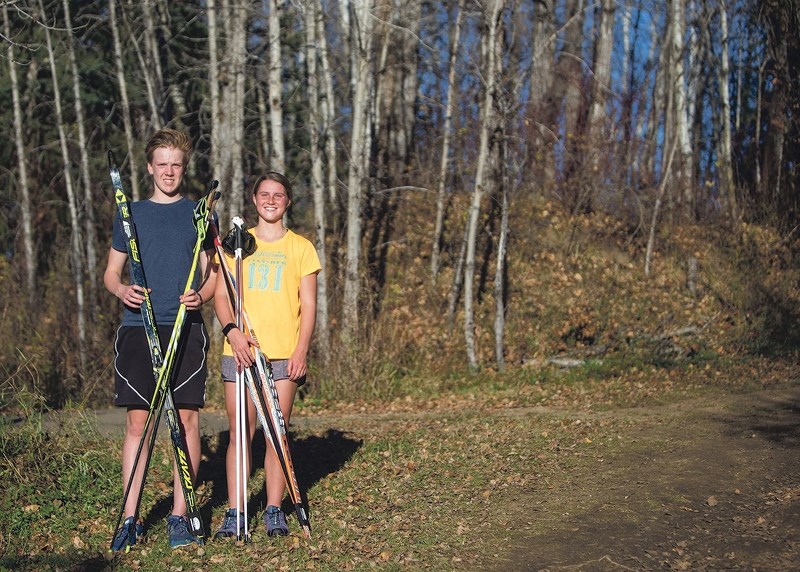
[(314, 457), (709, 486)]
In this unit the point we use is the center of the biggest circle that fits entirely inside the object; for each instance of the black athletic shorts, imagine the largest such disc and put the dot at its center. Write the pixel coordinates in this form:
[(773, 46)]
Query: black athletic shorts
[(133, 367)]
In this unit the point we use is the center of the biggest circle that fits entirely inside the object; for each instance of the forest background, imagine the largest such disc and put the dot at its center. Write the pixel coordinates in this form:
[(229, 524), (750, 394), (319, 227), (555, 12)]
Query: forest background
[(491, 186)]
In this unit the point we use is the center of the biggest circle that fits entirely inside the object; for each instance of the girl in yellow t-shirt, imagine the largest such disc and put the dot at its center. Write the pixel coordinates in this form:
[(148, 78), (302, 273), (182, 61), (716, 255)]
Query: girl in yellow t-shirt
[(280, 292)]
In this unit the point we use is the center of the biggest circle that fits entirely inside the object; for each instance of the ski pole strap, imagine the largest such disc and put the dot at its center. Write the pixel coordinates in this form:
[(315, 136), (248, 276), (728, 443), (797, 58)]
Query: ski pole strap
[(247, 242)]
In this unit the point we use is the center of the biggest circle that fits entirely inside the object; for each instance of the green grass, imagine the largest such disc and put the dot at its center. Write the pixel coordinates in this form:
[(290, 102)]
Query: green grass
[(400, 485), (403, 491)]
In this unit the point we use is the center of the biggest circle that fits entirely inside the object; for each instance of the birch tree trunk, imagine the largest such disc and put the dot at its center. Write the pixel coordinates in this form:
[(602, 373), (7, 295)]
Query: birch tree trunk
[(123, 93), (627, 56), (757, 138), (383, 88), (88, 219), (227, 97), (665, 91), (627, 119), (278, 158), (642, 159), (725, 152), (601, 85), (569, 66), (235, 101), (458, 279), (328, 110), (508, 102), (22, 166), (500, 267), (147, 76), (651, 240), (361, 48), (409, 80), (542, 98), (263, 114), (492, 17), (392, 126), (441, 193), (76, 235), (694, 67), (171, 89), (314, 13), (570, 90), (153, 53), (396, 87), (685, 196), (218, 163)]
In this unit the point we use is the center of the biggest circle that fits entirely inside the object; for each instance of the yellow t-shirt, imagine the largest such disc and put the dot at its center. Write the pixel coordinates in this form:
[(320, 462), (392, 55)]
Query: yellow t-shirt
[(271, 282)]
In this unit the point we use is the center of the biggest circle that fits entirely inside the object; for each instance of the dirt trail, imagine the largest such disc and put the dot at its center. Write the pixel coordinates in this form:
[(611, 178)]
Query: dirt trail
[(704, 485), (711, 483)]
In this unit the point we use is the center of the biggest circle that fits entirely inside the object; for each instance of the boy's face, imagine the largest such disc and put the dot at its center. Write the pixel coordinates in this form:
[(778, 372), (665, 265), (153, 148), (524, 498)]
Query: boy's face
[(167, 168)]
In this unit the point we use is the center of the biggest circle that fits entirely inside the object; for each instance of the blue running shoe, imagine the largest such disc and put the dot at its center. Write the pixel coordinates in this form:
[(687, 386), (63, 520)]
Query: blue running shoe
[(178, 531), (127, 535), (228, 527), (275, 521)]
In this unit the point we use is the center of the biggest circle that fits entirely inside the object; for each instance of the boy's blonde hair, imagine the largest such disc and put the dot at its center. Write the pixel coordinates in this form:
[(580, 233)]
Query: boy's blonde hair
[(169, 138)]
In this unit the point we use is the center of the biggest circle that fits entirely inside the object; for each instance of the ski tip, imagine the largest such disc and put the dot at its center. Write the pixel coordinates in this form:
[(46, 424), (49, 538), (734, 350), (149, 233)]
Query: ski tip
[(111, 161), (214, 184)]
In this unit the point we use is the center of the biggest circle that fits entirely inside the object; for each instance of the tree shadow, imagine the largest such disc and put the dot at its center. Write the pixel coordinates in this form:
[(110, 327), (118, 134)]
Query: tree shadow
[(775, 418), (212, 463), (72, 560), (314, 457)]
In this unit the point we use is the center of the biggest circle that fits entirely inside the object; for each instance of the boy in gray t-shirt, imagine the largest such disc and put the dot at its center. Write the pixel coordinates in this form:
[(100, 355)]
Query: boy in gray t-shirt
[(166, 233)]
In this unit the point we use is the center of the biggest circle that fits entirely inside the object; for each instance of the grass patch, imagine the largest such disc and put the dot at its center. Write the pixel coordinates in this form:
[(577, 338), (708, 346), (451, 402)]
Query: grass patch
[(400, 491), (395, 485)]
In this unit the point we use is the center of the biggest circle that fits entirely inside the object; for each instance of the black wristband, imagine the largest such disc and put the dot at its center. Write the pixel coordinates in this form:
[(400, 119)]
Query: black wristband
[(228, 327)]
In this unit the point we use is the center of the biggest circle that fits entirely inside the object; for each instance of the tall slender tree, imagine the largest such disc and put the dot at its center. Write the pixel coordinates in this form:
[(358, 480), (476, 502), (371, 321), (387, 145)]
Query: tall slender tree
[(149, 78), (725, 143), (491, 16), (88, 217), (570, 92), (275, 85), (22, 165), (601, 82), (76, 227), (361, 72), (125, 105), (444, 161), (235, 100), (679, 120), (226, 89), (313, 12), (543, 101), (328, 110)]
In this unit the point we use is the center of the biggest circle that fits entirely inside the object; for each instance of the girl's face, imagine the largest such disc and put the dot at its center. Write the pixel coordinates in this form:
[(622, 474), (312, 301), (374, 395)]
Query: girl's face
[(271, 201)]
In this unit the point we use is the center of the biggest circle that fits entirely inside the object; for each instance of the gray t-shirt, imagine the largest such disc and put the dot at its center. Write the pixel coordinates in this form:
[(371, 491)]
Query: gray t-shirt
[(167, 236)]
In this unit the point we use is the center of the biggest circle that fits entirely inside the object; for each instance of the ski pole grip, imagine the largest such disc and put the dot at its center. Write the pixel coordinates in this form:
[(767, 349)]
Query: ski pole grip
[(238, 225)]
